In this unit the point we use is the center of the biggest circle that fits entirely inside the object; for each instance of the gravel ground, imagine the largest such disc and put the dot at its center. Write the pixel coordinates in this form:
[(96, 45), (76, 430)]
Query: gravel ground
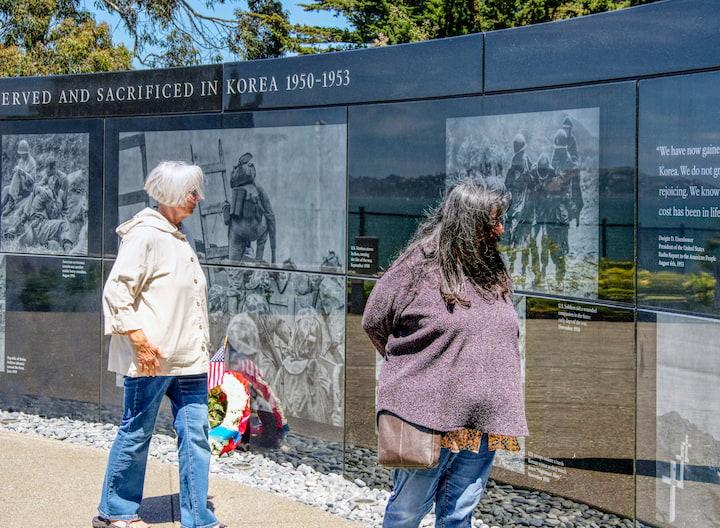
[(311, 471)]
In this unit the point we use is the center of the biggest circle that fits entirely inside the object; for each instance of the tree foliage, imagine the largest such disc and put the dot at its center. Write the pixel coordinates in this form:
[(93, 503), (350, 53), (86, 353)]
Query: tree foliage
[(380, 22), (263, 30), (179, 32), (60, 36), (41, 37)]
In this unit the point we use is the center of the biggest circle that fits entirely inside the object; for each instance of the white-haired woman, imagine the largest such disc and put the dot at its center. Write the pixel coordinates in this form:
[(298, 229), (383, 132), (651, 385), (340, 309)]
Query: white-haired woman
[(155, 307)]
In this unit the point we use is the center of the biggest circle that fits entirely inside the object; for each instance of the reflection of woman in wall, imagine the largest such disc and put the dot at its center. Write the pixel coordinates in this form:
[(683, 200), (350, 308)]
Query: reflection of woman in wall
[(155, 306), (443, 319)]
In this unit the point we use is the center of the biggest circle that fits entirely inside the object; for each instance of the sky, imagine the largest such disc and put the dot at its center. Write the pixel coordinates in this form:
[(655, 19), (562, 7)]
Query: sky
[(297, 15)]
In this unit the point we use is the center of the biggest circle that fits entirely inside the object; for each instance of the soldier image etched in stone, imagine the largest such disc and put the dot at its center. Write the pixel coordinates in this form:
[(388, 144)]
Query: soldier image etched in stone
[(546, 198), (44, 209), (249, 215), (551, 237)]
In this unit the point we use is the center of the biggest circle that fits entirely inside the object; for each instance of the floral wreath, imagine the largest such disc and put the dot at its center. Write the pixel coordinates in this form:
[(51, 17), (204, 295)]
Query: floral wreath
[(229, 410)]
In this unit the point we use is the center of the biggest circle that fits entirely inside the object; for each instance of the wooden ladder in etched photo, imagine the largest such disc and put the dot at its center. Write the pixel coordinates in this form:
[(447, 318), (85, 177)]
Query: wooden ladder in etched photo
[(211, 208)]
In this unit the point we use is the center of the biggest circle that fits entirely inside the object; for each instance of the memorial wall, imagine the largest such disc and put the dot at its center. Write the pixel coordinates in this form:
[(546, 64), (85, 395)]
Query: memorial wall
[(613, 249)]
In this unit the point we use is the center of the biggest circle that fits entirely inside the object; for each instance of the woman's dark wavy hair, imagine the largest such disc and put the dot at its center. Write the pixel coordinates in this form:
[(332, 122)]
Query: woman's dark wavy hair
[(457, 238)]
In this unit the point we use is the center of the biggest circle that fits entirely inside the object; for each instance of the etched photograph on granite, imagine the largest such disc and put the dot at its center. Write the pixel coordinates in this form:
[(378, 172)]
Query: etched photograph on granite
[(274, 196), (45, 181), (549, 162), (284, 329)]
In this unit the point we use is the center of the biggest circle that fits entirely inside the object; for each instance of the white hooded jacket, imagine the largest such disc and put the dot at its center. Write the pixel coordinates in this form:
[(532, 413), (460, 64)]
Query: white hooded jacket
[(157, 285)]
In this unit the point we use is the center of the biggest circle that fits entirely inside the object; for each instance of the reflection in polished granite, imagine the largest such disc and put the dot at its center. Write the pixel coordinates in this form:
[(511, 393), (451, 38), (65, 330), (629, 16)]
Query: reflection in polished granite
[(678, 453)]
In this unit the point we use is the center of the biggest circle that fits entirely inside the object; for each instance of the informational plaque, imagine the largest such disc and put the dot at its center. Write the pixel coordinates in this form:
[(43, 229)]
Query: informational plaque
[(364, 255), (679, 193), (52, 328)]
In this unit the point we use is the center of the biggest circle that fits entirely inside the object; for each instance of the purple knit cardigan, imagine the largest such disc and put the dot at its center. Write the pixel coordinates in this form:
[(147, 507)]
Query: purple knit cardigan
[(443, 369)]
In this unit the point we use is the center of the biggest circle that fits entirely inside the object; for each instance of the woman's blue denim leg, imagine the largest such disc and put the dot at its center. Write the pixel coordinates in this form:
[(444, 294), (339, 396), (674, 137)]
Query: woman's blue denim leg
[(413, 493), (188, 395), (462, 486), (125, 474)]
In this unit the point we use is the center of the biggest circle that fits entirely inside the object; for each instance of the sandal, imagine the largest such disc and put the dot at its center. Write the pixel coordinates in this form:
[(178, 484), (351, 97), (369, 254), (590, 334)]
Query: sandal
[(101, 522)]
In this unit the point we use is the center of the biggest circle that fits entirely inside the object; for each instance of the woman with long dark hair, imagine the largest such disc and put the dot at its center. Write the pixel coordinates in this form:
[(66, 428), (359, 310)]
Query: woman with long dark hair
[(443, 319)]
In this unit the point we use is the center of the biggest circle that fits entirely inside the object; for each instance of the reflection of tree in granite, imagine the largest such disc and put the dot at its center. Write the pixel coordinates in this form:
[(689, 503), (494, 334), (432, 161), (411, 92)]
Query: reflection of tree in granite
[(698, 290), (616, 280), (44, 289), (693, 291)]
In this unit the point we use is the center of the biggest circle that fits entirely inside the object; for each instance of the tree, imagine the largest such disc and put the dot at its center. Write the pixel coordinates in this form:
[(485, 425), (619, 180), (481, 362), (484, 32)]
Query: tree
[(41, 37), (177, 33), (380, 22), (58, 36), (263, 30)]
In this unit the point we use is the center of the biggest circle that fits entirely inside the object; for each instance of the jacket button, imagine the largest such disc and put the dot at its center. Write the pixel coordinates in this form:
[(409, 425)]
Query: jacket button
[(195, 281), (192, 259)]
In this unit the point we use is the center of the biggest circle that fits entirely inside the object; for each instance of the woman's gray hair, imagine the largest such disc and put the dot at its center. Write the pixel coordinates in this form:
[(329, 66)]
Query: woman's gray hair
[(170, 182), (458, 239)]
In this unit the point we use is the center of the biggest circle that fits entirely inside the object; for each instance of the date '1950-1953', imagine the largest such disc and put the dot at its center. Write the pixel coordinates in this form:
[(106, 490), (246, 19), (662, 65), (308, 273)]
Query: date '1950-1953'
[(326, 79)]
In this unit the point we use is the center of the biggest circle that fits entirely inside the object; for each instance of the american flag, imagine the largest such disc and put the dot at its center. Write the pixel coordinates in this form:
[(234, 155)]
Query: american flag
[(217, 366)]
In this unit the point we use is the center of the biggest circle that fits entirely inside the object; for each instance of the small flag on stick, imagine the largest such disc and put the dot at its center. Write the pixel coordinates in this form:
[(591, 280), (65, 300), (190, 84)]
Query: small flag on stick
[(217, 366)]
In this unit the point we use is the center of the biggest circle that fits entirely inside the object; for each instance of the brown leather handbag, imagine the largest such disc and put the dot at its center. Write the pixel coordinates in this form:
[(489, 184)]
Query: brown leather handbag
[(402, 444)]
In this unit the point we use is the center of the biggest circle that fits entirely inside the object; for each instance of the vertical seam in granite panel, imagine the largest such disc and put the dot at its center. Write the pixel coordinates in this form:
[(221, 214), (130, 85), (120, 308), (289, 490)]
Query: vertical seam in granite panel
[(635, 291), (345, 281), (636, 205), (483, 72)]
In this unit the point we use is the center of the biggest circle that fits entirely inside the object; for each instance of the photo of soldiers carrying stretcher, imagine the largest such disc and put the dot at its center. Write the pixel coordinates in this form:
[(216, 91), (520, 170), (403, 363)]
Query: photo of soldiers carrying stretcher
[(45, 193), (549, 162)]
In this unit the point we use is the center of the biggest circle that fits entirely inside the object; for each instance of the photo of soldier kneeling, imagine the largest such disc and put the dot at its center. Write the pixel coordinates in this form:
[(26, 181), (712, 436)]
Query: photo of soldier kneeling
[(45, 193)]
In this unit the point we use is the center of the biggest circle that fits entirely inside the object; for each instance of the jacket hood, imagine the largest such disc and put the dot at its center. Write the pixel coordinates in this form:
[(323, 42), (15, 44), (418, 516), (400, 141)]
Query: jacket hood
[(148, 218)]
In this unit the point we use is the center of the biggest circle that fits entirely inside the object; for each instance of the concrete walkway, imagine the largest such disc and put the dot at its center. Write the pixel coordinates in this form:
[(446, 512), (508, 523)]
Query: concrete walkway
[(51, 483)]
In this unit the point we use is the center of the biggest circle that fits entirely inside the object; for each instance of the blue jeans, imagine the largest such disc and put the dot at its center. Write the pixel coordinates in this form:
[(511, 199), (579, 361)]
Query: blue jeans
[(455, 485), (125, 475)]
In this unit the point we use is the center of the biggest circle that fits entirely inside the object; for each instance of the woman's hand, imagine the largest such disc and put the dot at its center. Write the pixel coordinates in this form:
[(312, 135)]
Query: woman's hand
[(147, 355)]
